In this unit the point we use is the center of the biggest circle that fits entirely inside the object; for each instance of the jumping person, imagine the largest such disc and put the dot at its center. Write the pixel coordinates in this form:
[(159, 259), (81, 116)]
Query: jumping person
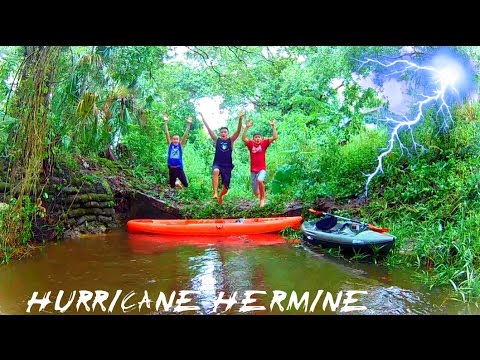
[(258, 167), (222, 162), (175, 153)]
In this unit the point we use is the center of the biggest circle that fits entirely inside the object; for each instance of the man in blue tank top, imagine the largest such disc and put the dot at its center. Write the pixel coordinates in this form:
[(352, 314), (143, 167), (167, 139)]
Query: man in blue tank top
[(222, 162), (175, 153)]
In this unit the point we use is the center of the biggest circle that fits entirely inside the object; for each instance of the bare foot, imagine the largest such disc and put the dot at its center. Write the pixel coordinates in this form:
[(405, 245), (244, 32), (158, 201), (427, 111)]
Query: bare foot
[(257, 194), (215, 196), (262, 202), (220, 199)]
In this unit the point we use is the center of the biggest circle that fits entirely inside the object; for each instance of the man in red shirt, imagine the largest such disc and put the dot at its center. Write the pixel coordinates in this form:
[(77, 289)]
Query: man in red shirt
[(258, 167)]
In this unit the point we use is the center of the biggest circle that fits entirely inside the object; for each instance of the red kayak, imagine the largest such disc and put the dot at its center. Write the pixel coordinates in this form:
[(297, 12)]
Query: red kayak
[(211, 227)]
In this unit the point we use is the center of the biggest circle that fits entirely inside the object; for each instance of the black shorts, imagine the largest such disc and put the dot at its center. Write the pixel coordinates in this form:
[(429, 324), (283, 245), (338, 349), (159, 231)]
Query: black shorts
[(225, 173), (177, 172)]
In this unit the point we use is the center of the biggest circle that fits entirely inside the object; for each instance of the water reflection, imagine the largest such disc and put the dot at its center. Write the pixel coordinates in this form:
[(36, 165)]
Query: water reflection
[(151, 243), (206, 279)]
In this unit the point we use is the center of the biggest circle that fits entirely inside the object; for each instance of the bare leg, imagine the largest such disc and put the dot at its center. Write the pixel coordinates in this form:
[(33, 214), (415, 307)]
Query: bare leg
[(215, 182), (261, 190), (222, 194)]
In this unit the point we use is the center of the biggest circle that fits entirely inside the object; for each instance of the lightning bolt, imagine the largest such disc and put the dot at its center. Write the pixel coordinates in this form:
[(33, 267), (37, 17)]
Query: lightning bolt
[(444, 76)]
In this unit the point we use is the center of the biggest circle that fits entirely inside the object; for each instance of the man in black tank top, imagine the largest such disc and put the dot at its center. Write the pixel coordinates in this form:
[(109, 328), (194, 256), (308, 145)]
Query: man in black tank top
[(222, 162)]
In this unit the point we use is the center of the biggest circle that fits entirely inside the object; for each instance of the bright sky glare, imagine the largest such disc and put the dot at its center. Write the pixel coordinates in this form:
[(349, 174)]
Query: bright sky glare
[(210, 108)]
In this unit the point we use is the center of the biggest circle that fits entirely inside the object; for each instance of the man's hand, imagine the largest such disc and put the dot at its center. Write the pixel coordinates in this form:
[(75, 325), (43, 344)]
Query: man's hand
[(242, 115), (165, 117), (272, 122), (249, 124), (190, 120)]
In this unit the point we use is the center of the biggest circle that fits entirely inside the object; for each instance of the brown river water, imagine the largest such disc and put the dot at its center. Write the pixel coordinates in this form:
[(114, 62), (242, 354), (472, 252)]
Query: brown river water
[(121, 273)]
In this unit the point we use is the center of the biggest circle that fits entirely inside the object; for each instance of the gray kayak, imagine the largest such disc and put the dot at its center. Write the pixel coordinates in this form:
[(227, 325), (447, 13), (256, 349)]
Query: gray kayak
[(346, 235)]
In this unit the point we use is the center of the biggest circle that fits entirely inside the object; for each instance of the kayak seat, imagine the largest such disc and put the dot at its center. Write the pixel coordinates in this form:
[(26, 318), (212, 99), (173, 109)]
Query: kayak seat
[(326, 223)]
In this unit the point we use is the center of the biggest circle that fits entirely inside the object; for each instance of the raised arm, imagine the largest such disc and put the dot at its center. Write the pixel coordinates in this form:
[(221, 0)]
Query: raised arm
[(244, 135), (274, 131), (165, 126), (239, 128), (210, 132), (185, 135)]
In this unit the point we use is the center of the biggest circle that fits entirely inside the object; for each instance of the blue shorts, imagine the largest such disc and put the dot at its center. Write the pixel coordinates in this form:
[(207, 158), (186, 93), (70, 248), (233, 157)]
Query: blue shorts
[(257, 176)]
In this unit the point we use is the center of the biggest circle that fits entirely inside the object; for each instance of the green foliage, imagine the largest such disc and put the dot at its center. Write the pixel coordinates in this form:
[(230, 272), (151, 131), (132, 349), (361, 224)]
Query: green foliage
[(346, 171), (127, 63), (431, 203), (91, 179), (284, 176), (8, 215), (149, 150)]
